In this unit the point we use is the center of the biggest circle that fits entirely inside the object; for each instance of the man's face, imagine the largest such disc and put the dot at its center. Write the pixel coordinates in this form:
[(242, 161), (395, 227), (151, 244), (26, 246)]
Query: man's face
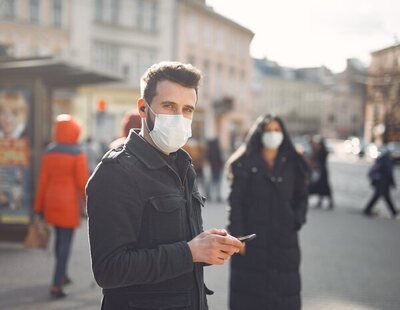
[(173, 99), (8, 120)]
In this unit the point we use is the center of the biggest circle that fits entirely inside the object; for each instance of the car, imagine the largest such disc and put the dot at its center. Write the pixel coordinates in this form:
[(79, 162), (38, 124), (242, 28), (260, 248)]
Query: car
[(355, 146)]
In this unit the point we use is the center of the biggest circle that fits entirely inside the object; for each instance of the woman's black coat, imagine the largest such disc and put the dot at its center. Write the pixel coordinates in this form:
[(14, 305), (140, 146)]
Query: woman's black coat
[(321, 185), (273, 205)]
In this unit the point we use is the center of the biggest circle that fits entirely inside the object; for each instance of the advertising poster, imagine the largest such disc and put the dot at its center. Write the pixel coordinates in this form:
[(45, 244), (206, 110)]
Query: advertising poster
[(15, 159)]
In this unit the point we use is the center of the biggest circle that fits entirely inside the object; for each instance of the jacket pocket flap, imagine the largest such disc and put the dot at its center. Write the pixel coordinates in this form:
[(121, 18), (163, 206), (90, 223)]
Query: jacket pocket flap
[(158, 300), (168, 203)]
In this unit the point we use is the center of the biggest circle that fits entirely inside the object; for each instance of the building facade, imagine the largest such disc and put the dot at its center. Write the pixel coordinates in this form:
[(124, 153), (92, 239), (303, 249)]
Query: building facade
[(298, 96), (123, 38), (344, 112), (219, 47), (35, 28), (382, 114)]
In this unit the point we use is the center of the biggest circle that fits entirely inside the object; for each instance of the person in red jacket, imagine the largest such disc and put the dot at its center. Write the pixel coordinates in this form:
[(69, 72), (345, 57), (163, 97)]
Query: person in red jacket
[(60, 191), (130, 121)]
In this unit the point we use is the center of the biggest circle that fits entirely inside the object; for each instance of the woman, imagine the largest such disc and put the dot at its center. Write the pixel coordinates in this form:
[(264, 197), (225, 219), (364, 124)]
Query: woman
[(320, 182), (61, 189), (269, 198)]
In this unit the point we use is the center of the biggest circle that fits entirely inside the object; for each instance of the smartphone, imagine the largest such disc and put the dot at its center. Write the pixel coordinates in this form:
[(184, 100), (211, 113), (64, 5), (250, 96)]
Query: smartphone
[(247, 238)]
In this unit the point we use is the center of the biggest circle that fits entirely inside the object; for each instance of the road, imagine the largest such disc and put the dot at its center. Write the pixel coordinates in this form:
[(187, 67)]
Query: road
[(348, 261)]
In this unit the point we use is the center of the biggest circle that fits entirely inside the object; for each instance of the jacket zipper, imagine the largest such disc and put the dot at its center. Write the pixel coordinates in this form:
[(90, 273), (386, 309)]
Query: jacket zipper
[(190, 228), (181, 183)]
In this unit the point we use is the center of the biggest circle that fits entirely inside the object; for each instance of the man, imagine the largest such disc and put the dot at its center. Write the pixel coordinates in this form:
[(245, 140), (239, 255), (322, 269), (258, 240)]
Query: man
[(382, 179), (145, 227)]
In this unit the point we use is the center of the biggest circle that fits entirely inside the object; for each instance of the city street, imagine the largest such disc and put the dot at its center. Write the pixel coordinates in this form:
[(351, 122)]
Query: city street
[(348, 261)]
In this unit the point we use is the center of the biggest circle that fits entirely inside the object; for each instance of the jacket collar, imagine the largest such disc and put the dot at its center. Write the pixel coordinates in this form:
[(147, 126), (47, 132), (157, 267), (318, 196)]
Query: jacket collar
[(147, 154)]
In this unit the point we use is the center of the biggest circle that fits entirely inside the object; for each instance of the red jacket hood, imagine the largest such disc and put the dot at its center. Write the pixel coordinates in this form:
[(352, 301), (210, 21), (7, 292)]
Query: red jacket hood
[(67, 130)]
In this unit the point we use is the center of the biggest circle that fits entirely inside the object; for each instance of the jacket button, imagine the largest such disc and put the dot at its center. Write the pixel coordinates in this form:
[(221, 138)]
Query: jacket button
[(254, 169), (273, 179), (279, 179)]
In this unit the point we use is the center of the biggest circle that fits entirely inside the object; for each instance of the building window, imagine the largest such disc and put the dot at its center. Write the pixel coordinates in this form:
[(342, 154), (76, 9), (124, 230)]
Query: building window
[(219, 81), (115, 9), (154, 17), (7, 9), (106, 57), (220, 40), (191, 29), (126, 70), (99, 10), (206, 78), (146, 15), (139, 14), (207, 36), (142, 59), (57, 13), (34, 10)]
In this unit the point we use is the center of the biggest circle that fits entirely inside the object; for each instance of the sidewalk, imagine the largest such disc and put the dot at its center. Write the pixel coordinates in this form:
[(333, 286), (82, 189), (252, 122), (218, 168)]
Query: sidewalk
[(26, 276), (349, 262)]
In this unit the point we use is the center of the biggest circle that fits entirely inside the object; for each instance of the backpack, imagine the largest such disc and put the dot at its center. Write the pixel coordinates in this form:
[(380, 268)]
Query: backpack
[(375, 173)]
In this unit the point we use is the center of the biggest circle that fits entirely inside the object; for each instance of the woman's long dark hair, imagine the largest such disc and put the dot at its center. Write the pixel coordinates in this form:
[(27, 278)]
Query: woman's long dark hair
[(253, 143)]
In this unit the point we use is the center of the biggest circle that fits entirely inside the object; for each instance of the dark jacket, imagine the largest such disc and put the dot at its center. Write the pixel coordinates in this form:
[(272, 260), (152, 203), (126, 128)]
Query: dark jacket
[(271, 204), (321, 185), (381, 174), (141, 215)]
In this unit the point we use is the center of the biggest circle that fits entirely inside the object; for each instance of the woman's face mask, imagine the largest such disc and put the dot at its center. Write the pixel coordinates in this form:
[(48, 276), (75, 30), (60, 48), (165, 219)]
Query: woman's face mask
[(170, 132), (272, 139)]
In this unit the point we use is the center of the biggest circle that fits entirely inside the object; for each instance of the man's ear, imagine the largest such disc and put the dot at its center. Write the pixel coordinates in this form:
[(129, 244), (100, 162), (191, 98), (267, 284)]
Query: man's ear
[(141, 103)]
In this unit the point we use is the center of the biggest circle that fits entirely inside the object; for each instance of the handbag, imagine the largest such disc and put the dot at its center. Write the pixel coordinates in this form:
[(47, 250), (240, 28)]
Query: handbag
[(38, 235), (315, 176)]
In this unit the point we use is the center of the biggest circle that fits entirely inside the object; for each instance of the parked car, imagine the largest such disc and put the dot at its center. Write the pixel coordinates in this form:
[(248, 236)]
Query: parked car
[(355, 146)]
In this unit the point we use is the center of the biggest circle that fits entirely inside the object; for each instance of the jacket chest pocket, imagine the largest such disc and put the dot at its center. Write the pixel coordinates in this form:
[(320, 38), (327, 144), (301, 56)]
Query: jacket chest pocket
[(166, 220), (198, 202)]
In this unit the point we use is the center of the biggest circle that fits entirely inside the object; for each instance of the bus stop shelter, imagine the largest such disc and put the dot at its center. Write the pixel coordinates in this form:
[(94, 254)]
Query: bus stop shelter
[(26, 95)]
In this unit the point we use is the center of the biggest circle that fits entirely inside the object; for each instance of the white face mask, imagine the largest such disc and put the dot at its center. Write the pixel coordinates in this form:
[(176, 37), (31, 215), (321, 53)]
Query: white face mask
[(272, 139), (170, 132)]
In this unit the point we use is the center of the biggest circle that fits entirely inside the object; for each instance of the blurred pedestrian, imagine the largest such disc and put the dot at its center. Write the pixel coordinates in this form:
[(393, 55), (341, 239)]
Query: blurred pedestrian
[(216, 162), (268, 197), (92, 150), (319, 183), (196, 150), (381, 178), (146, 237), (130, 121), (63, 176)]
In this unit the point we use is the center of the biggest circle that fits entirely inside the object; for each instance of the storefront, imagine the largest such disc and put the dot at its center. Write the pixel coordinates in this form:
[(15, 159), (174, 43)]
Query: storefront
[(26, 91)]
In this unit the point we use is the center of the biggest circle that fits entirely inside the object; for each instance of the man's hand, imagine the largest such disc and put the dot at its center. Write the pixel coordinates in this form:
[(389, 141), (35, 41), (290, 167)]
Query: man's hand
[(214, 246)]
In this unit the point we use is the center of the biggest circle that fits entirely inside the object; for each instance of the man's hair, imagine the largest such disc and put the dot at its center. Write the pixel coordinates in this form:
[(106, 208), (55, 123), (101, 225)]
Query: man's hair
[(177, 72)]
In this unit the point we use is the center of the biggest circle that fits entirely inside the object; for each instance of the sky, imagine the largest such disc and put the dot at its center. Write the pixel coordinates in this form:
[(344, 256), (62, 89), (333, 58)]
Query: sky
[(310, 33)]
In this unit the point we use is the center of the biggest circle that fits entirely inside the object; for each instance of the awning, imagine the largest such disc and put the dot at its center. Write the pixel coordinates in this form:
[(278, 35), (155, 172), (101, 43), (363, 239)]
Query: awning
[(54, 72)]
